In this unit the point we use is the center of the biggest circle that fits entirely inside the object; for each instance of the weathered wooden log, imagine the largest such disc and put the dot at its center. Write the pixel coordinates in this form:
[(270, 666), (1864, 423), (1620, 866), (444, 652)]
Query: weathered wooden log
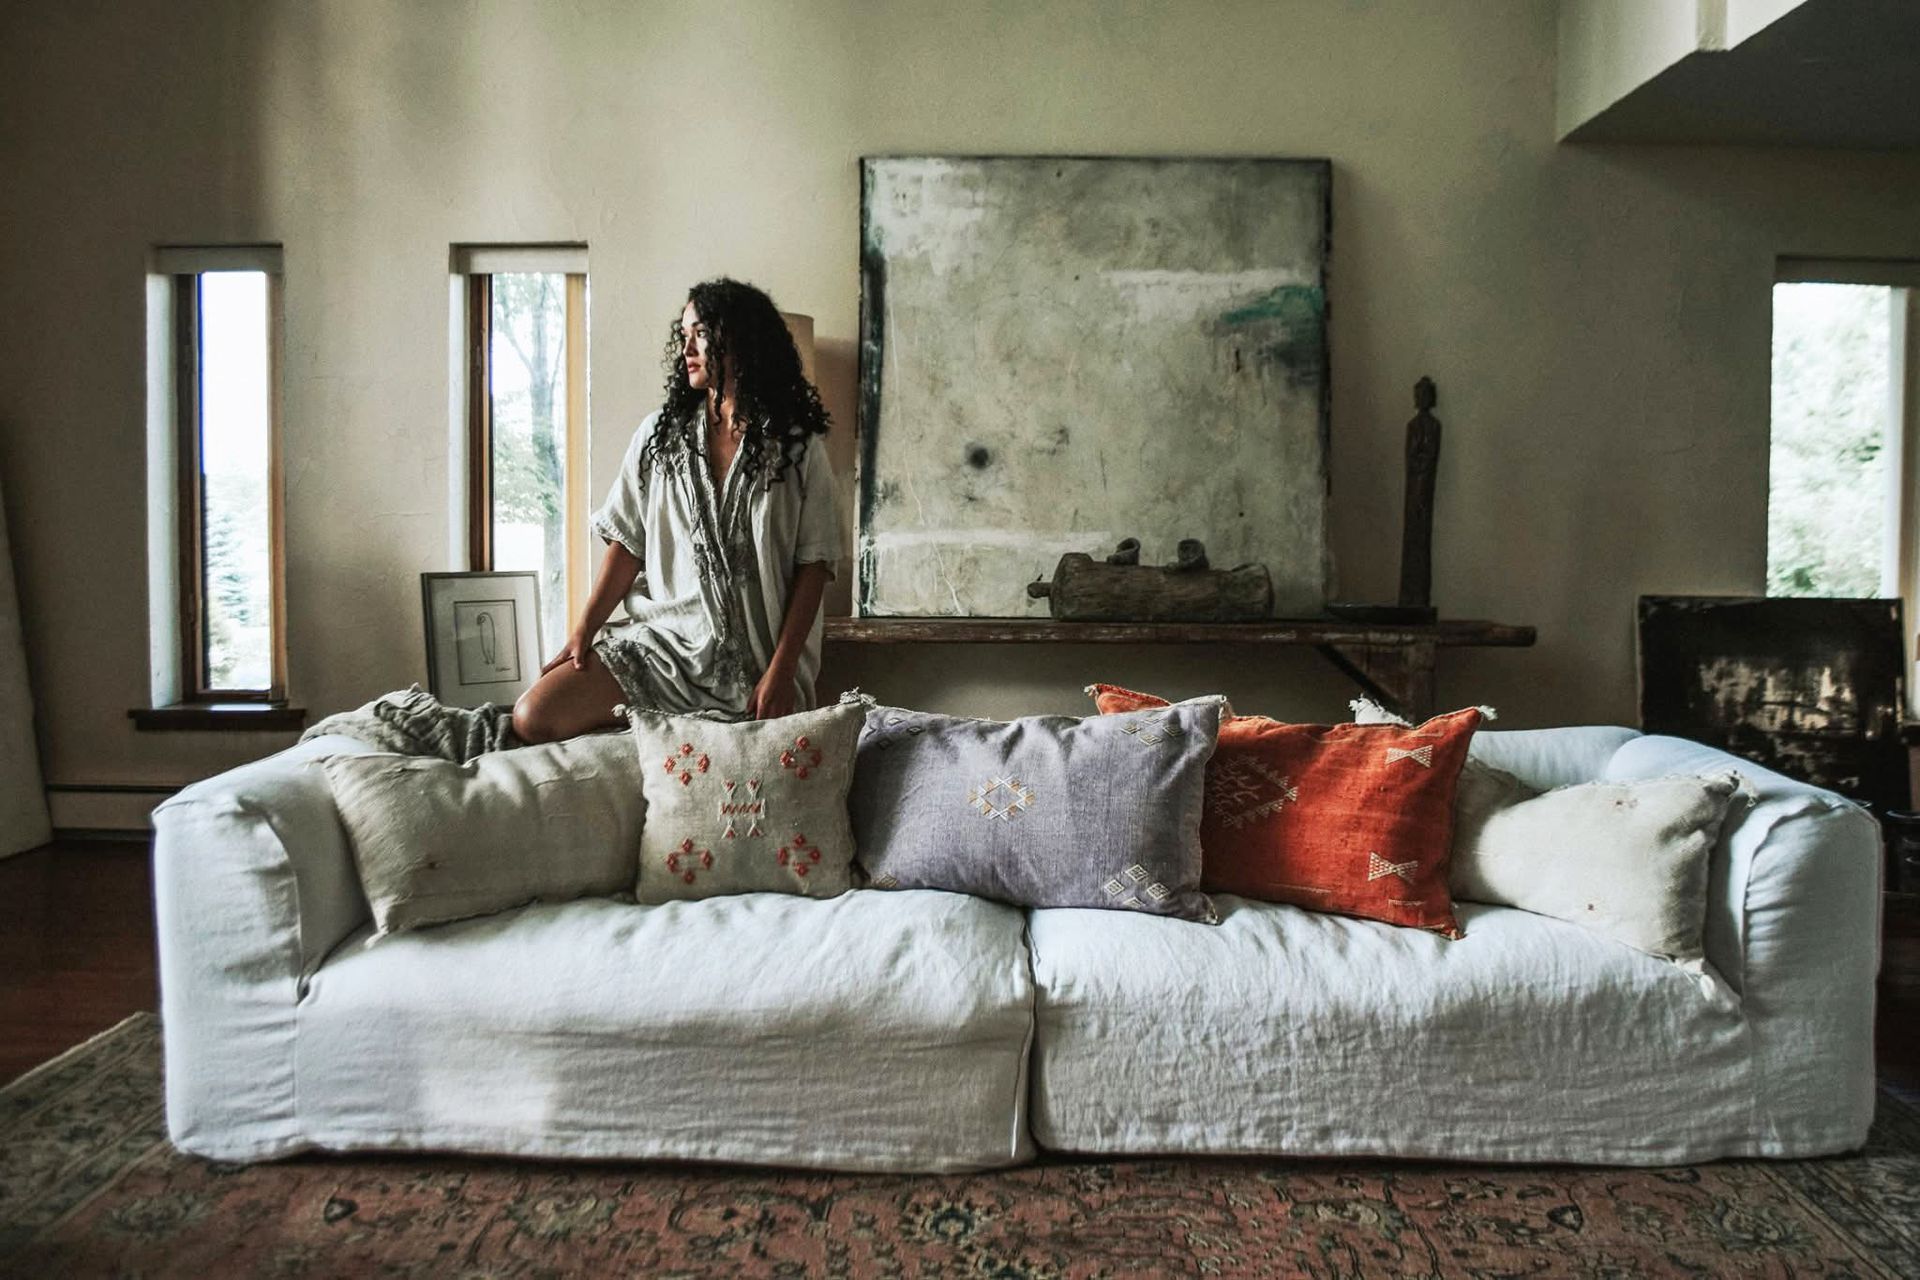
[(1083, 590)]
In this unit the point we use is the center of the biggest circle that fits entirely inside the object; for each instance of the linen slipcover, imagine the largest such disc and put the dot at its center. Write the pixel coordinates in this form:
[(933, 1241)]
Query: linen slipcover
[(1529, 1039), (872, 1031), (868, 1031), (605, 1029)]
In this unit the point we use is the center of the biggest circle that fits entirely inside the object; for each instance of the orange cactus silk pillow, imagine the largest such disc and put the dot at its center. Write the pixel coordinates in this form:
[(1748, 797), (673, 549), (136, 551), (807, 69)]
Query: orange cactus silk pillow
[(1351, 818)]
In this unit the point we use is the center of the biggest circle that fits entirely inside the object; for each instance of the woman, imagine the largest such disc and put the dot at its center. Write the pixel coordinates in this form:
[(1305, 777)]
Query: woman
[(721, 535)]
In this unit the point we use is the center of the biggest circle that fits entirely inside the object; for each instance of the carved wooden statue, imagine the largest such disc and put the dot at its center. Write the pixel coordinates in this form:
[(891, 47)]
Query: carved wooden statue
[(1416, 533)]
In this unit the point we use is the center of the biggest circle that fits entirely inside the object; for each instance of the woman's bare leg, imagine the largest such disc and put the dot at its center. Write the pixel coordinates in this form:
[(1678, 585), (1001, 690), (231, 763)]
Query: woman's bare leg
[(566, 702)]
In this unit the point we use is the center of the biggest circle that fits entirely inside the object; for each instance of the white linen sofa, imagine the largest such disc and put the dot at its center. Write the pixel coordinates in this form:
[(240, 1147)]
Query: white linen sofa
[(930, 1031)]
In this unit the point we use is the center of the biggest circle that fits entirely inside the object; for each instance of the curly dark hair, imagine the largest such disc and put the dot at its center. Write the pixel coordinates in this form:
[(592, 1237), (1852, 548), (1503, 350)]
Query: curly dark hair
[(747, 338)]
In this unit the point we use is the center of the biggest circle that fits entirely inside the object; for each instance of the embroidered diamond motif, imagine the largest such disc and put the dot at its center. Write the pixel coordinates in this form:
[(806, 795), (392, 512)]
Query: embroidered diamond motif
[(688, 861), (1144, 728), (1242, 791), (1379, 868), (802, 757), (742, 800), (797, 856), (1419, 755), (685, 763), (1128, 886), (1002, 798)]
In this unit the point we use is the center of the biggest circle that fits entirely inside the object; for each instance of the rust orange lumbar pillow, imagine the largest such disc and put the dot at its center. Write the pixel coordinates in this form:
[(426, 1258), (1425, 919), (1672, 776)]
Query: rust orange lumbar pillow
[(1351, 818)]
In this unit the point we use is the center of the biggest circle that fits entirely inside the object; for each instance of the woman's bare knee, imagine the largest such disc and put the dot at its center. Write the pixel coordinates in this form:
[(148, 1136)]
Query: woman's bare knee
[(531, 723), (565, 703)]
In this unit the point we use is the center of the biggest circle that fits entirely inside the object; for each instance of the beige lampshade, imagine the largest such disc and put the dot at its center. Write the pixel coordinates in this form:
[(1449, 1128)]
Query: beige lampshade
[(801, 327)]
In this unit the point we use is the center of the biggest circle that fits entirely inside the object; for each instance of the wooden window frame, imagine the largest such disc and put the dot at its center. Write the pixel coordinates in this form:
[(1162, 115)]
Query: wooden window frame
[(189, 366), (479, 371), (1901, 560)]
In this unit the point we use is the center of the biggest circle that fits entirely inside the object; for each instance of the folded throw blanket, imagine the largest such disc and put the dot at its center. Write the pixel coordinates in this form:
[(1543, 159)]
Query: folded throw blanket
[(413, 722)]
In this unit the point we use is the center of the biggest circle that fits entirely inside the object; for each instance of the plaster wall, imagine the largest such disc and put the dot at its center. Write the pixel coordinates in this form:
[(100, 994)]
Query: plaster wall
[(1747, 17), (1609, 48), (1597, 319)]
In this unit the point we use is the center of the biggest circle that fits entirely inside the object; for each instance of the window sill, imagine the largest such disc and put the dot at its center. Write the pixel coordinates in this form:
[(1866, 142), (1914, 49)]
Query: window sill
[(267, 717)]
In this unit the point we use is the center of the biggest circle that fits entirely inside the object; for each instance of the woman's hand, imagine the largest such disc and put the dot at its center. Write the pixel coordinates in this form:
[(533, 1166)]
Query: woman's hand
[(578, 650), (619, 570), (772, 697)]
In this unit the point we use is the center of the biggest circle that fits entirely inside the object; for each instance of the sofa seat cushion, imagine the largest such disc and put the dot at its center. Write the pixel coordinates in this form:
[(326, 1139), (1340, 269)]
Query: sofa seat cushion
[(869, 1031), (1288, 1031)]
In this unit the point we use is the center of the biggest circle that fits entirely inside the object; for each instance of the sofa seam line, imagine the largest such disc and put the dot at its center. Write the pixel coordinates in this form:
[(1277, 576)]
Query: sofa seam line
[(297, 948), (1032, 1051)]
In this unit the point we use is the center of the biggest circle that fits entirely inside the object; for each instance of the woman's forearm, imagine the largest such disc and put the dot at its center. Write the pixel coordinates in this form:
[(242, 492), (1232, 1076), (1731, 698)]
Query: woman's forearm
[(619, 568), (803, 605)]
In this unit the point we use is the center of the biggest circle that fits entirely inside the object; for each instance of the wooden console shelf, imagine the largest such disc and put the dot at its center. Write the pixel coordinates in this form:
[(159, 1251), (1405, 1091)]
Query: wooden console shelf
[(1392, 663), (1448, 634)]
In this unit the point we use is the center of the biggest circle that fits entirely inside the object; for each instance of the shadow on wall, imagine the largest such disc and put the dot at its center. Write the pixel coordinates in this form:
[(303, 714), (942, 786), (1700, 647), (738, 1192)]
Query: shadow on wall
[(23, 805), (836, 371)]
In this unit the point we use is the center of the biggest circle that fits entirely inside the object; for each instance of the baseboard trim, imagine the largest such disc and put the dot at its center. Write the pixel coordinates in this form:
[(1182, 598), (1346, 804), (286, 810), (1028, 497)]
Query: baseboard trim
[(92, 811), (102, 835)]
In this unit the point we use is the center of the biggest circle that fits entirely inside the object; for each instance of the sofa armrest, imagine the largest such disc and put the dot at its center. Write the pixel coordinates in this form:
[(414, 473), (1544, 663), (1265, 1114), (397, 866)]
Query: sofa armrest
[(1793, 925), (253, 885)]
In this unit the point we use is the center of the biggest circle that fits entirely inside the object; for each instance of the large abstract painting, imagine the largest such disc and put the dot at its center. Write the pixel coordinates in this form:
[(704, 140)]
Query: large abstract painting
[(1060, 353)]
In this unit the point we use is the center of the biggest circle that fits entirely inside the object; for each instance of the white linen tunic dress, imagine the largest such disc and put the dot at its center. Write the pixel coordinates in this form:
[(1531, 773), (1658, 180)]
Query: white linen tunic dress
[(705, 611)]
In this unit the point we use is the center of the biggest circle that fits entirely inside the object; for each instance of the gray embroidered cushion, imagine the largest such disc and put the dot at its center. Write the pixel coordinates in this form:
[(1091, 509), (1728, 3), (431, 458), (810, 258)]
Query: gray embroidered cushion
[(437, 841), (742, 808), (1046, 811)]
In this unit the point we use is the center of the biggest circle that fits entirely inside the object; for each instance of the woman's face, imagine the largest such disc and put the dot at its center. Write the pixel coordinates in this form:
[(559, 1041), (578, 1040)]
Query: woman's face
[(693, 350)]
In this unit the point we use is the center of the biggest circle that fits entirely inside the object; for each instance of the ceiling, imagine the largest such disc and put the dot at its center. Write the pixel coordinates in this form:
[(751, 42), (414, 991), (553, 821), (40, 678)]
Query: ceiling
[(1831, 73)]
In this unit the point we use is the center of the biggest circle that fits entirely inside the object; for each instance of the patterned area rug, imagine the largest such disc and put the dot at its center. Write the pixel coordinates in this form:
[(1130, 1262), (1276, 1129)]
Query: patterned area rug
[(89, 1186)]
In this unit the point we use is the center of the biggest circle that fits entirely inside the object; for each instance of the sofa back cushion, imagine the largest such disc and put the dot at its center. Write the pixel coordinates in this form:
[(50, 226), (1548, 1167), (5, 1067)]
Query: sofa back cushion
[(741, 808), (1044, 811), (436, 841)]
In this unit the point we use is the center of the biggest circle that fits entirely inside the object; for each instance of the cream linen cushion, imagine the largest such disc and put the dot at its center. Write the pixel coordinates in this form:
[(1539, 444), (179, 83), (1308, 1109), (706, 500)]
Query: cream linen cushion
[(1483, 792), (743, 808), (1624, 859), (1627, 860), (437, 841)]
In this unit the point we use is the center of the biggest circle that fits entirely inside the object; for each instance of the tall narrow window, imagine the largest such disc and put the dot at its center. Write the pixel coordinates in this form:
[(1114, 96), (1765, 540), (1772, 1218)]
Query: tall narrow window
[(526, 320), (224, 636), (1833, 508), (1843, 502)]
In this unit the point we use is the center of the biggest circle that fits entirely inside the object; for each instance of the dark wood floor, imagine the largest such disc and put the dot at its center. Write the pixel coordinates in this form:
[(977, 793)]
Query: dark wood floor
[(76, 946), (76, 956)]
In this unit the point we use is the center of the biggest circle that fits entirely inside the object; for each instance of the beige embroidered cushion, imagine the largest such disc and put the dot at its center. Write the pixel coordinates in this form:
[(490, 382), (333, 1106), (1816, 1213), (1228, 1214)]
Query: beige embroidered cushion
[(1625, 859), (437, 841), (741, 808)]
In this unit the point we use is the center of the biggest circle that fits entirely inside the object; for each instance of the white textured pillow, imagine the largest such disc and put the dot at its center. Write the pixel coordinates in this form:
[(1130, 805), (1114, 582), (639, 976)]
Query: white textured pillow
[(437, 841), (1483, 792), (1624, 859)]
